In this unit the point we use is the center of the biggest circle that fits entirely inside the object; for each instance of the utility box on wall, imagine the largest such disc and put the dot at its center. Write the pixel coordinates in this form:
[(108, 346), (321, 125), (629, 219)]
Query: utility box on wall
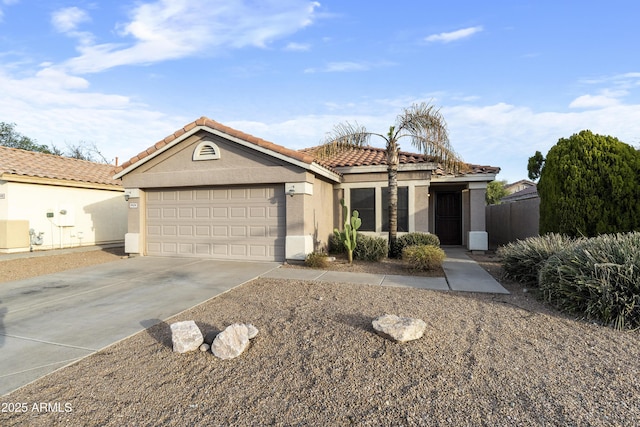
[(64, 216), (14, 235)]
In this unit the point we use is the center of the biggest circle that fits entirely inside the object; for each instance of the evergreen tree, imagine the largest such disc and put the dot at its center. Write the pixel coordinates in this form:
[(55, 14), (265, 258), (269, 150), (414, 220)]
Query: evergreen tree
[(495, 191), (589, 185), (10, 138)]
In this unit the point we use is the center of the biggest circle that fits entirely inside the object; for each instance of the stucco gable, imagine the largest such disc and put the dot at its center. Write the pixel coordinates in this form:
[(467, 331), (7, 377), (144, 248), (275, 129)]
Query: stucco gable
[(219, 130)]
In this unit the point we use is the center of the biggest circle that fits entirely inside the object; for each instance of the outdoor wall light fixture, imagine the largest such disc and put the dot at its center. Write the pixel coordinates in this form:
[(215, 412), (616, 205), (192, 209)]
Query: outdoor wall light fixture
[(126, 197), (291, 191)]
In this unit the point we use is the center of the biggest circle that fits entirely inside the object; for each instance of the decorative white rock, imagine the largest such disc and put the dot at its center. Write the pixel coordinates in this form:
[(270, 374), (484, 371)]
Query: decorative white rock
[(253, 331), (186, 336), (231, 342), (399, 329)]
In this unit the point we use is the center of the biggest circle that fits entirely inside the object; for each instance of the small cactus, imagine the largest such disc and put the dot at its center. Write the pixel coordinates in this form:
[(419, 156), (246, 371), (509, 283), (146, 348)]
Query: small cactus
[(351, 225)]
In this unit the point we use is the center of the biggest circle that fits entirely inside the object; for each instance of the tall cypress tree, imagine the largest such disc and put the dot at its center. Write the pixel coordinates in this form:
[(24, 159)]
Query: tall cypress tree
[(589, 185)]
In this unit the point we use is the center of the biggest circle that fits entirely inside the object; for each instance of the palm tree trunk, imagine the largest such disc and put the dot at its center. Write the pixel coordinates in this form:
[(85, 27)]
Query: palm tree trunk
[(392, 170), (393, 209)]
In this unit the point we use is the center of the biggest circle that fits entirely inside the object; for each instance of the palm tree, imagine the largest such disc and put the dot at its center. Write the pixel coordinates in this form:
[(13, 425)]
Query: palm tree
[(426, 128)]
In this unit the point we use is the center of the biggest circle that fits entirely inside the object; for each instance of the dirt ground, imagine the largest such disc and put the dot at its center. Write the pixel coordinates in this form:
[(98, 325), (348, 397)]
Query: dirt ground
[(485, 359), (53, 262)]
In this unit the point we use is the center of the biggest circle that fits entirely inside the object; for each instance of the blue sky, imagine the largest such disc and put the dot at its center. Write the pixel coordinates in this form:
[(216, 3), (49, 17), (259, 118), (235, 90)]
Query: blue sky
[(510, 77)]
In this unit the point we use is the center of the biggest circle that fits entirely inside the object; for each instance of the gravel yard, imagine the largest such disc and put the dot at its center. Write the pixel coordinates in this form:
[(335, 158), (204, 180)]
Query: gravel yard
[(484, 360)]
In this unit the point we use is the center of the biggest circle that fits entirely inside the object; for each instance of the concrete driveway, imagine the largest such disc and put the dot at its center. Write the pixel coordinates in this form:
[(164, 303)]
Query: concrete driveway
[(50, 321)]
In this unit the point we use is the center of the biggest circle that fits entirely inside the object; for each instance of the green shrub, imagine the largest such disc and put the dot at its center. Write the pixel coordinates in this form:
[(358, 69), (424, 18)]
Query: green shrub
[(335, 245), (316, 260), (523, 259), (598, 278), (589, 185), (370, 248), (423, 257), (412, 239)]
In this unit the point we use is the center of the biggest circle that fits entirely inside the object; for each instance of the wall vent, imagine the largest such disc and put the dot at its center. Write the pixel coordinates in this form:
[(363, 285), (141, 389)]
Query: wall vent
[(206, 151)]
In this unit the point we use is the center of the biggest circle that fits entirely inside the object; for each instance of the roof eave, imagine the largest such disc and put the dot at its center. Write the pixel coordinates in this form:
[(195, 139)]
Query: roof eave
[(26, 179), (478, 177), (403, 167)]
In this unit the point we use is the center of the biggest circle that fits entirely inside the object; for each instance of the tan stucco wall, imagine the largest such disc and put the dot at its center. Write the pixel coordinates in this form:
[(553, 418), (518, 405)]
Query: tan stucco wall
[(477, 203), (237, 165), (421, 206), (93, 216), (320, 219)]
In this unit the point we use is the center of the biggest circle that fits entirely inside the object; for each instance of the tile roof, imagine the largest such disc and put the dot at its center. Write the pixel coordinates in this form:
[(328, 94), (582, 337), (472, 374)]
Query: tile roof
[(39, 165), (204, 121), (372, 156), (367, 156)]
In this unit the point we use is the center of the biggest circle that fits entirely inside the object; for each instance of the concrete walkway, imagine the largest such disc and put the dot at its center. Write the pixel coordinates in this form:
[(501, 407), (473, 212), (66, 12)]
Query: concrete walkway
[(462, 274)]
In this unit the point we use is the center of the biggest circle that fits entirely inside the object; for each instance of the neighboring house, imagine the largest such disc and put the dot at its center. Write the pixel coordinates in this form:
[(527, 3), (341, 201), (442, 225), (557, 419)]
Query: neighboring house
[(211, 191), (530, 192), (50, 202), (517, 186)]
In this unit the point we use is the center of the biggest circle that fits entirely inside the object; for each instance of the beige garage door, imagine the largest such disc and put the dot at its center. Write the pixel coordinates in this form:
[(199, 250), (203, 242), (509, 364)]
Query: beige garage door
[(224, 223)]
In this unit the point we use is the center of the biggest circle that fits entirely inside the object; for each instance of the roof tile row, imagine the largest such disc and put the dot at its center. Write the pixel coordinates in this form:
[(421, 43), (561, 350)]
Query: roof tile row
[(34, 164)]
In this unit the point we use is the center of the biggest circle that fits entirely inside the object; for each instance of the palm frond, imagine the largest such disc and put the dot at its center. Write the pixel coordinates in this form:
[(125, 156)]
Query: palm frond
[(426, 127), (343, 137)]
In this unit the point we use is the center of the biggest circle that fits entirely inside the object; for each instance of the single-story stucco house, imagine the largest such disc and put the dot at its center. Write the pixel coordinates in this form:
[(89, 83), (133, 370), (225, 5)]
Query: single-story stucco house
[(212, 191), (52, 202)]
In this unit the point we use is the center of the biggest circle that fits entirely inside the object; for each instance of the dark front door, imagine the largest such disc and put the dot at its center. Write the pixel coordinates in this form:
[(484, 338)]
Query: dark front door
[(449, 217)]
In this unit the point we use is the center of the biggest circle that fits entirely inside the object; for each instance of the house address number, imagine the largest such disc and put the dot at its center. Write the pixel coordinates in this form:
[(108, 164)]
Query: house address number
[(133, 205)]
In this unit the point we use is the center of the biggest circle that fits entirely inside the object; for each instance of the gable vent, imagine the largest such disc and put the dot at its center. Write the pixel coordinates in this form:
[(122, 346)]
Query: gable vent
[(206, 151)]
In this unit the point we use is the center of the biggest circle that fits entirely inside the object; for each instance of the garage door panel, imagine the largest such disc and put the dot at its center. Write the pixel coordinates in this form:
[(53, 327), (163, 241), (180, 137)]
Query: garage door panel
[(185, 249), (185, 213), (186, 230), (203, 249), (220, 213), (203, 231), (220, 231), (257, 231), (232, 223), (169, 213)]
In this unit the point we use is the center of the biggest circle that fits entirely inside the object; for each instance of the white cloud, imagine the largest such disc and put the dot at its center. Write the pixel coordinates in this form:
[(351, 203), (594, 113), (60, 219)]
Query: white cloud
[(67, 19), (347, 67), (594, 101), (297, 47), (454, 35), (340, 67), (171, 29), (6, 3)]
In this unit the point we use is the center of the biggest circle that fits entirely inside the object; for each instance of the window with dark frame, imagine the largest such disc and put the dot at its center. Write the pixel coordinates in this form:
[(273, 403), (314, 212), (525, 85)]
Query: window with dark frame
[(403, 209), (363, 200)]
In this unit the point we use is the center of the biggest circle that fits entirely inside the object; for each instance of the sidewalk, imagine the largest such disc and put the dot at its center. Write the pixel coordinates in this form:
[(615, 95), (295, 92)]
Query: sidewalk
[(462, 274)]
